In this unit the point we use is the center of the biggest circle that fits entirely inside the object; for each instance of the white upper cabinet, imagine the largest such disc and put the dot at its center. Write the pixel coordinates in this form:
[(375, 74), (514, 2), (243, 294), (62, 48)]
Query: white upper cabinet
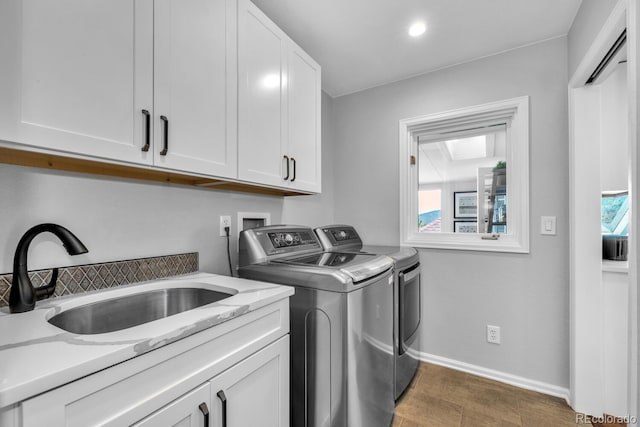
[(278, 106), (208, 87), (261, 101), (106, 78), (303, 124), (194, 81), (76, 75)]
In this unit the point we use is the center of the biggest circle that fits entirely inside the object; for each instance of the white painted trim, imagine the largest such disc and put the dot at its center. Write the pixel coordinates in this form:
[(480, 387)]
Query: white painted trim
[(516, 112), (503, 377), (611, 30), (633, 50), (586, 355)]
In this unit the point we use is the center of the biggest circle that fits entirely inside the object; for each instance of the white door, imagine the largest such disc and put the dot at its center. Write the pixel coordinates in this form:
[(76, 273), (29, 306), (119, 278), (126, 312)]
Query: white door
[(261, 101), (190, 410), (255, 392), (195, 80), (76, 75), (304, 120)]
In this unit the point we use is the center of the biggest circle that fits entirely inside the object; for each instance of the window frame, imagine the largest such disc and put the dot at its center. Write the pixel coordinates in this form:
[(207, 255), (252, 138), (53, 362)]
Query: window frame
[(515, 113)]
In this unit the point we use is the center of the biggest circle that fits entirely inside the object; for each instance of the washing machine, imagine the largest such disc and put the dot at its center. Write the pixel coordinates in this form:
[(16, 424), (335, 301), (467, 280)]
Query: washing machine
[(406, 295), (341, 325)]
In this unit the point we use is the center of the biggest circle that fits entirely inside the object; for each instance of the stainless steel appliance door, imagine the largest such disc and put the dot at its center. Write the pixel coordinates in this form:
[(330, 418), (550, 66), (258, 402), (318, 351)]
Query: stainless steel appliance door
[(342, 356), (409, 307), (407, 312), (370, 354), (318, 367)]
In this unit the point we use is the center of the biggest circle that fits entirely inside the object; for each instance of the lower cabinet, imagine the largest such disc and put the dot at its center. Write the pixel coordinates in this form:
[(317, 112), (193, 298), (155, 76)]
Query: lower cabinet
[(189, 410), (235, 374), (255, 392)]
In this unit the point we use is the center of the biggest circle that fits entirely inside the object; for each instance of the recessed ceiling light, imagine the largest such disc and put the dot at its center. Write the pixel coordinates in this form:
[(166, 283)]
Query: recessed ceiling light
[(417, 29)]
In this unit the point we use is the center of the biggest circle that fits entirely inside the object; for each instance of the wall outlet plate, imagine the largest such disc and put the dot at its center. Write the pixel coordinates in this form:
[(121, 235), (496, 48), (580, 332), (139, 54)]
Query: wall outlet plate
[(225, 221), (493, 334), (548, 225)]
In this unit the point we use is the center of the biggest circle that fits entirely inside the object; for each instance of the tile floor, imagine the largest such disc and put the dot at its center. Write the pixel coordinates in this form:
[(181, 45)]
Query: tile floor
[(442, 397)]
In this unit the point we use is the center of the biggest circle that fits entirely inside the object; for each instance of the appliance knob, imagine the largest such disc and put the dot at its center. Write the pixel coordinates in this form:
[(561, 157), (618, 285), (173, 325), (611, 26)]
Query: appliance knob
[(288, 239), (343, 234)]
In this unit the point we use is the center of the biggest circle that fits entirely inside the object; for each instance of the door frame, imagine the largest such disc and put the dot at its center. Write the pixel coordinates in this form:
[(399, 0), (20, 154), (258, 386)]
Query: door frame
[(586, 357)]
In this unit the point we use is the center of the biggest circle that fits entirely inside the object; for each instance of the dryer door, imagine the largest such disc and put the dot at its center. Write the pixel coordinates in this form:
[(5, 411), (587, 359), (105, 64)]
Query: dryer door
[(409, 307)]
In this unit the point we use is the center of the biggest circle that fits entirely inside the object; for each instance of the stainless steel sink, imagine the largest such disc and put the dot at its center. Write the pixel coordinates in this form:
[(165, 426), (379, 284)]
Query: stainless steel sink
[(132, 310)]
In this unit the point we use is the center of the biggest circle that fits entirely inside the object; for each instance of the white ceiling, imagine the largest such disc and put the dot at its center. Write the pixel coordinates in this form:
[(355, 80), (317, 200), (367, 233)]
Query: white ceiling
[(364, 43)]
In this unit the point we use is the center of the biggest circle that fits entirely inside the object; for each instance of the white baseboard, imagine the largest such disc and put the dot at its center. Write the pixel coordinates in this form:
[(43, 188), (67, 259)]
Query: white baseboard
[(526, 383)]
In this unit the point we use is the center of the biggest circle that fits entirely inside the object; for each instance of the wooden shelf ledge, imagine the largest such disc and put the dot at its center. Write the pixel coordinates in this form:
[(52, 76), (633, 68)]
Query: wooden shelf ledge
[(80, 165)]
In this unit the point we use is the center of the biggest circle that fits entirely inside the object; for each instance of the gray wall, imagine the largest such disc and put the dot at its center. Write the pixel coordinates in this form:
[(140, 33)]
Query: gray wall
[(118, 219), (527, 295), (586, 25)]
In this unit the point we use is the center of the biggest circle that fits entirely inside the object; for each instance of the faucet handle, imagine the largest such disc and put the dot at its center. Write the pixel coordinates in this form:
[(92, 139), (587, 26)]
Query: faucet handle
[(46, 291)]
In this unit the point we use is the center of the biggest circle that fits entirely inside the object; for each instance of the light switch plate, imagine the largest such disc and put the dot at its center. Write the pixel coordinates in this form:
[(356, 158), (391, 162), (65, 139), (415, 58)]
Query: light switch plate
[(548, 225)]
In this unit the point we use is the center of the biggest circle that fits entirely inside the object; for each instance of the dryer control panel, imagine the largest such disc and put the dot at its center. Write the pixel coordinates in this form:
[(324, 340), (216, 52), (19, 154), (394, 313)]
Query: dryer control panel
[(338, 236)]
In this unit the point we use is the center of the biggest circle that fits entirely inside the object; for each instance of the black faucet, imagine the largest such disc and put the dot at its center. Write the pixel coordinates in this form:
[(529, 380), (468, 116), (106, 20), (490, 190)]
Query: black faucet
[(23, 295)]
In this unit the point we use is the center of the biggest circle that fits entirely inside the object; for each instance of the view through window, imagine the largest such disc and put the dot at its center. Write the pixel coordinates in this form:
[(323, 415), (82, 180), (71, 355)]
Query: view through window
[(462, 181)]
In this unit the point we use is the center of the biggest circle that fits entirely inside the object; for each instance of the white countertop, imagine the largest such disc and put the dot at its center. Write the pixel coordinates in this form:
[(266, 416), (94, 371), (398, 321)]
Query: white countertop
[(36, 356)]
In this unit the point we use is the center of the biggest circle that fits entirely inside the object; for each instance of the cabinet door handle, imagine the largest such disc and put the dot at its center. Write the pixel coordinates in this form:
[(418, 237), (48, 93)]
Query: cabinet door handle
[(223, 399), (205, 411), (286, 158), (166, 135), (294, 169), (147, 130)]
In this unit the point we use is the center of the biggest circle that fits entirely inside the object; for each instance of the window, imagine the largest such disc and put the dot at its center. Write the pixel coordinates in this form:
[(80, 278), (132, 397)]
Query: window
[(615, 213), (464, 180), (429, 210)]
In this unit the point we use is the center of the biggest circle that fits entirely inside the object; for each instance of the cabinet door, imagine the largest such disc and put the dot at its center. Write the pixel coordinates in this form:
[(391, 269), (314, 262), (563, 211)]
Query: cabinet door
[(261, 100), (255, 392), (304, 120), (76, 75), (195, 80), (190, 410)]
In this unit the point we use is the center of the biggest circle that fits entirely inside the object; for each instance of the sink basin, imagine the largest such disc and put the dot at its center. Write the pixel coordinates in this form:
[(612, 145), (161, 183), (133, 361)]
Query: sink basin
[(132, 310)]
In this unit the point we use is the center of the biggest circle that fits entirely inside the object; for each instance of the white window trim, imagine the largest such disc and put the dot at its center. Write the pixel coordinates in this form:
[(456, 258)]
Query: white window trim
[(516, 113)]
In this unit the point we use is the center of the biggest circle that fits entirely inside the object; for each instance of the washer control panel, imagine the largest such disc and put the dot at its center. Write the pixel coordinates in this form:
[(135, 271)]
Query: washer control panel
[(284, 239)]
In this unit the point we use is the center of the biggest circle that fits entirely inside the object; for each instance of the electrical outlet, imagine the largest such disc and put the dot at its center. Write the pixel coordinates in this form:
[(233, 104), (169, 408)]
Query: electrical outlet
[(225, 221), (493, 334)]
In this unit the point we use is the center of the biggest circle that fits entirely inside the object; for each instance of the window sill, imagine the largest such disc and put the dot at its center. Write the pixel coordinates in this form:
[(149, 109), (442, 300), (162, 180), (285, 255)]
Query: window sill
[(467, 242)]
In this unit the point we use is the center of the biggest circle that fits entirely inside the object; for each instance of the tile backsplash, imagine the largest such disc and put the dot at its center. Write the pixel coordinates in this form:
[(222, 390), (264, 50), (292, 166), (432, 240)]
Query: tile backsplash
[(83, 278)]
